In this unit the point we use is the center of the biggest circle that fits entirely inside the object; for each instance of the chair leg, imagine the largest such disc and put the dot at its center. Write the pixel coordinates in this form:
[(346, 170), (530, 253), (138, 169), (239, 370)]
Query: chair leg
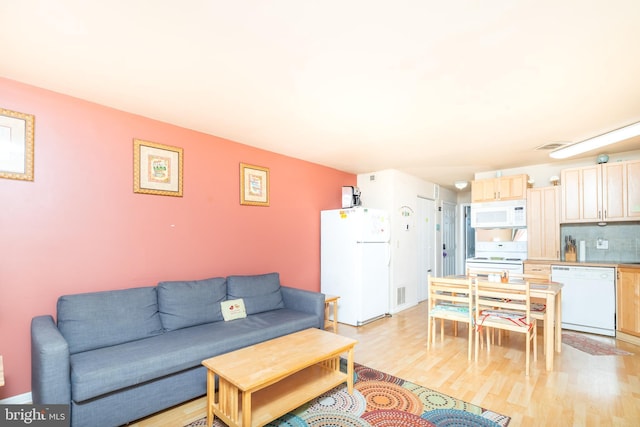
[(469, 342), (535, 346), (477, 339), (528, 350)]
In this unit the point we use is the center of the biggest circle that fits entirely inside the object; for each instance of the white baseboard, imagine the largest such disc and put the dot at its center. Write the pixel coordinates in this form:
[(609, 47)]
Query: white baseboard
[(21, 399)]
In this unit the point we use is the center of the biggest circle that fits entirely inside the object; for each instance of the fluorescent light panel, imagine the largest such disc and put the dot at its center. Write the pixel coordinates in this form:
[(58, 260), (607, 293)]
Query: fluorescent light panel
[(597, 141)]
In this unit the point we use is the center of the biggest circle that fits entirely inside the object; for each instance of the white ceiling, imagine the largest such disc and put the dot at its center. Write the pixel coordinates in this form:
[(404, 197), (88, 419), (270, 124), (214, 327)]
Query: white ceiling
[(437, 89)]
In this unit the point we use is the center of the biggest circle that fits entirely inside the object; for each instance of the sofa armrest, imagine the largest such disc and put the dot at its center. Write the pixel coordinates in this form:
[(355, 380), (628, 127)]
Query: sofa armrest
[(50, 363), (306, 301)]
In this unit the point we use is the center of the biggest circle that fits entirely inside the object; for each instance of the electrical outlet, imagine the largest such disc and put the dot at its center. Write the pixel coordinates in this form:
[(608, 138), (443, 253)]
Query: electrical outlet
[(602, 244)]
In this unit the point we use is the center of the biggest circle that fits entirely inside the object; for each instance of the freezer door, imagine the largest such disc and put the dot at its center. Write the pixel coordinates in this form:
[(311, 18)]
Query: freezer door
[(374, 225)]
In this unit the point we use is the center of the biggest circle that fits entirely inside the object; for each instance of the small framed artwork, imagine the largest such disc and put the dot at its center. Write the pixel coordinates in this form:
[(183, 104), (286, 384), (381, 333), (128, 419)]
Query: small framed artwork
[(254, 185), (157, 169), (16, 145)]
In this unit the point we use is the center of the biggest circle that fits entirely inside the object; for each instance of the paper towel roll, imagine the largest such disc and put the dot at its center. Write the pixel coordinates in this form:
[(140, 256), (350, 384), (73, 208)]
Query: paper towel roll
[(582, 251)]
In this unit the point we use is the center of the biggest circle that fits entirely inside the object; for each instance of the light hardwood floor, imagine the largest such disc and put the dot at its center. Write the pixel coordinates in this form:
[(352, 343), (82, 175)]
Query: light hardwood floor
[(583, 390)]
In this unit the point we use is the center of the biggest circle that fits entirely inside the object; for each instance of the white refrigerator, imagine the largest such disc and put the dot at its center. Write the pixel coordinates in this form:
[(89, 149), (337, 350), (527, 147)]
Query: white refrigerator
[(354, 262)]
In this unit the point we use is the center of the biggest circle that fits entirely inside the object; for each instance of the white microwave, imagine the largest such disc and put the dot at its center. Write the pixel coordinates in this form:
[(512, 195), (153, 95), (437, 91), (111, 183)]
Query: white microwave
[(505, 214)]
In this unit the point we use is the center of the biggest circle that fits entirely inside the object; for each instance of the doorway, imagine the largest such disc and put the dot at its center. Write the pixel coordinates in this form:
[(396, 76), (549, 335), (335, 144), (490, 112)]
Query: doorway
[(426, 245), (448, 239)]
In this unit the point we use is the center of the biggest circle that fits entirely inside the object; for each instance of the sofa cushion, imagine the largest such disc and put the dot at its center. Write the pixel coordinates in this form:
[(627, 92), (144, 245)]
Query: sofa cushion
[(189, 303), (100, 319), (260, 292), (106, 370)]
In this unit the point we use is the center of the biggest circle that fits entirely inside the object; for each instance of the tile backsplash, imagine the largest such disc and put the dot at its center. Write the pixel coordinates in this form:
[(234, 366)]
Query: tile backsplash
[(622, 239)]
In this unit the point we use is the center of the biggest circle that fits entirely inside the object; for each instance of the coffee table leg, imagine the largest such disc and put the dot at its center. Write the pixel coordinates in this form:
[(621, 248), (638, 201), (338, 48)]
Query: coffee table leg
[(211, 392), (350, 371), (246, 409)]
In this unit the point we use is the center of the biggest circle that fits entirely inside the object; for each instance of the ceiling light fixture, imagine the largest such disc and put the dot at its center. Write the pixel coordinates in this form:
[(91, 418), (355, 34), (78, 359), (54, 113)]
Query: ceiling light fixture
[(461, 185), (597, 141)]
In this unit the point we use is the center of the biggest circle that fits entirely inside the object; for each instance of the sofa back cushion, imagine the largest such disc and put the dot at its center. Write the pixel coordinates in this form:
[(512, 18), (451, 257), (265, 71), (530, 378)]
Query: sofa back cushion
[(260, 292), (101, 319), (189, 303)]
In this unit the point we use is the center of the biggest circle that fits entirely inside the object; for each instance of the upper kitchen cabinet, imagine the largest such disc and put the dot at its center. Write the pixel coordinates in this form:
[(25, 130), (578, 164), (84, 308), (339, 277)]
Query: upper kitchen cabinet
[(512, 187), (543, 223), (604, 192), (633, 189)]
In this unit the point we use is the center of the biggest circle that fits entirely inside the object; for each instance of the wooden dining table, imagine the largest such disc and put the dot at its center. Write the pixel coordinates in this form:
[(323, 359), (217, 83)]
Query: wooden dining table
[(551, 293)]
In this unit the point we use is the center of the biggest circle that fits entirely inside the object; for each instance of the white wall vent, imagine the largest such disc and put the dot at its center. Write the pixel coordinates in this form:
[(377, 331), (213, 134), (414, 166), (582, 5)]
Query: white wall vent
[(401, 295)]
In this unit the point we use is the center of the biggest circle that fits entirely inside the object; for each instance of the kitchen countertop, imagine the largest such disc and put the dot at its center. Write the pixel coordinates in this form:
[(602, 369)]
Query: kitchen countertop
[(583, 264)]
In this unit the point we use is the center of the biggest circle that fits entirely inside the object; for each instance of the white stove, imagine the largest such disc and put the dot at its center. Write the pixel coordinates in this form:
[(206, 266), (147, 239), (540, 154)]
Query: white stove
[(499, 256)]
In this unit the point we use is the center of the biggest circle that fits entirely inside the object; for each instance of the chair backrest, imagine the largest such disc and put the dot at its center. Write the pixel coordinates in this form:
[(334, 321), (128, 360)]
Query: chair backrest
[(493, 297), (451, 291)]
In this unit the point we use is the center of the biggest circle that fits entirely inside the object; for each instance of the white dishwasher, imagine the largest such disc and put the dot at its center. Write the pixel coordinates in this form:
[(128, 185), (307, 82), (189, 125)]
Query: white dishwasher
[(588, 298)]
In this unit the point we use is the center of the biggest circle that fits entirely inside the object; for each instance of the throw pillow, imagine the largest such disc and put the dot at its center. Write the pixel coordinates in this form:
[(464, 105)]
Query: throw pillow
[(233, 309)]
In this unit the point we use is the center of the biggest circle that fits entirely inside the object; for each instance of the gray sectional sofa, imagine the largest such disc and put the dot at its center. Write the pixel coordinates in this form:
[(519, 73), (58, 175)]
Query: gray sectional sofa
[(117, 356)]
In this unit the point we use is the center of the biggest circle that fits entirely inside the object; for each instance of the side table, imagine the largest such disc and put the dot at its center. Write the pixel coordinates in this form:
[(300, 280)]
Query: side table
[(331, 300)]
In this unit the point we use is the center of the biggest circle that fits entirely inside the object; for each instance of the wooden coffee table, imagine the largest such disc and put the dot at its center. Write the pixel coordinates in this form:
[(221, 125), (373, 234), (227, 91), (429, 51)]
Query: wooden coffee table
[(260, 383)]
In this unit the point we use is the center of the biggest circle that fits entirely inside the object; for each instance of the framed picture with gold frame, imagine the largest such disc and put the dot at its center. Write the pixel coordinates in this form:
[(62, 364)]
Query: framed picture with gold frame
[(16, 145), (157, 169), (254, 185)]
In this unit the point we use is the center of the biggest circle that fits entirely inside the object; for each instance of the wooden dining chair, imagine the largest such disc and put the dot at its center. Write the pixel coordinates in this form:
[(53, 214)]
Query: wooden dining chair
[(505, 306), (450, 299), (480, 274), (538, 305)]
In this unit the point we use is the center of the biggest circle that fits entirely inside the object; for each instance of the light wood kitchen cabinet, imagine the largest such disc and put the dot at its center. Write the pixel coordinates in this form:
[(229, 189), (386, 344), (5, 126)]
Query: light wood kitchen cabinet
[(628, 309), (599, 193), (543, 223), (633, 189), (512, 187)]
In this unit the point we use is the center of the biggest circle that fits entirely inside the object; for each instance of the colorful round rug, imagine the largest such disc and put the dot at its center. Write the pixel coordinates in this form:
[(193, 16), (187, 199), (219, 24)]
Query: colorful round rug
[(431, 399), (383, 395), (339, 400), (392, 418), (457, 418), (333, 419), (364, 373), (287, 420)]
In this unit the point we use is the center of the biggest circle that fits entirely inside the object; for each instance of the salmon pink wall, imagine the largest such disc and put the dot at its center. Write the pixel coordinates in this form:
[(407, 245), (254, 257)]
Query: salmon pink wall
[(79, 226)]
